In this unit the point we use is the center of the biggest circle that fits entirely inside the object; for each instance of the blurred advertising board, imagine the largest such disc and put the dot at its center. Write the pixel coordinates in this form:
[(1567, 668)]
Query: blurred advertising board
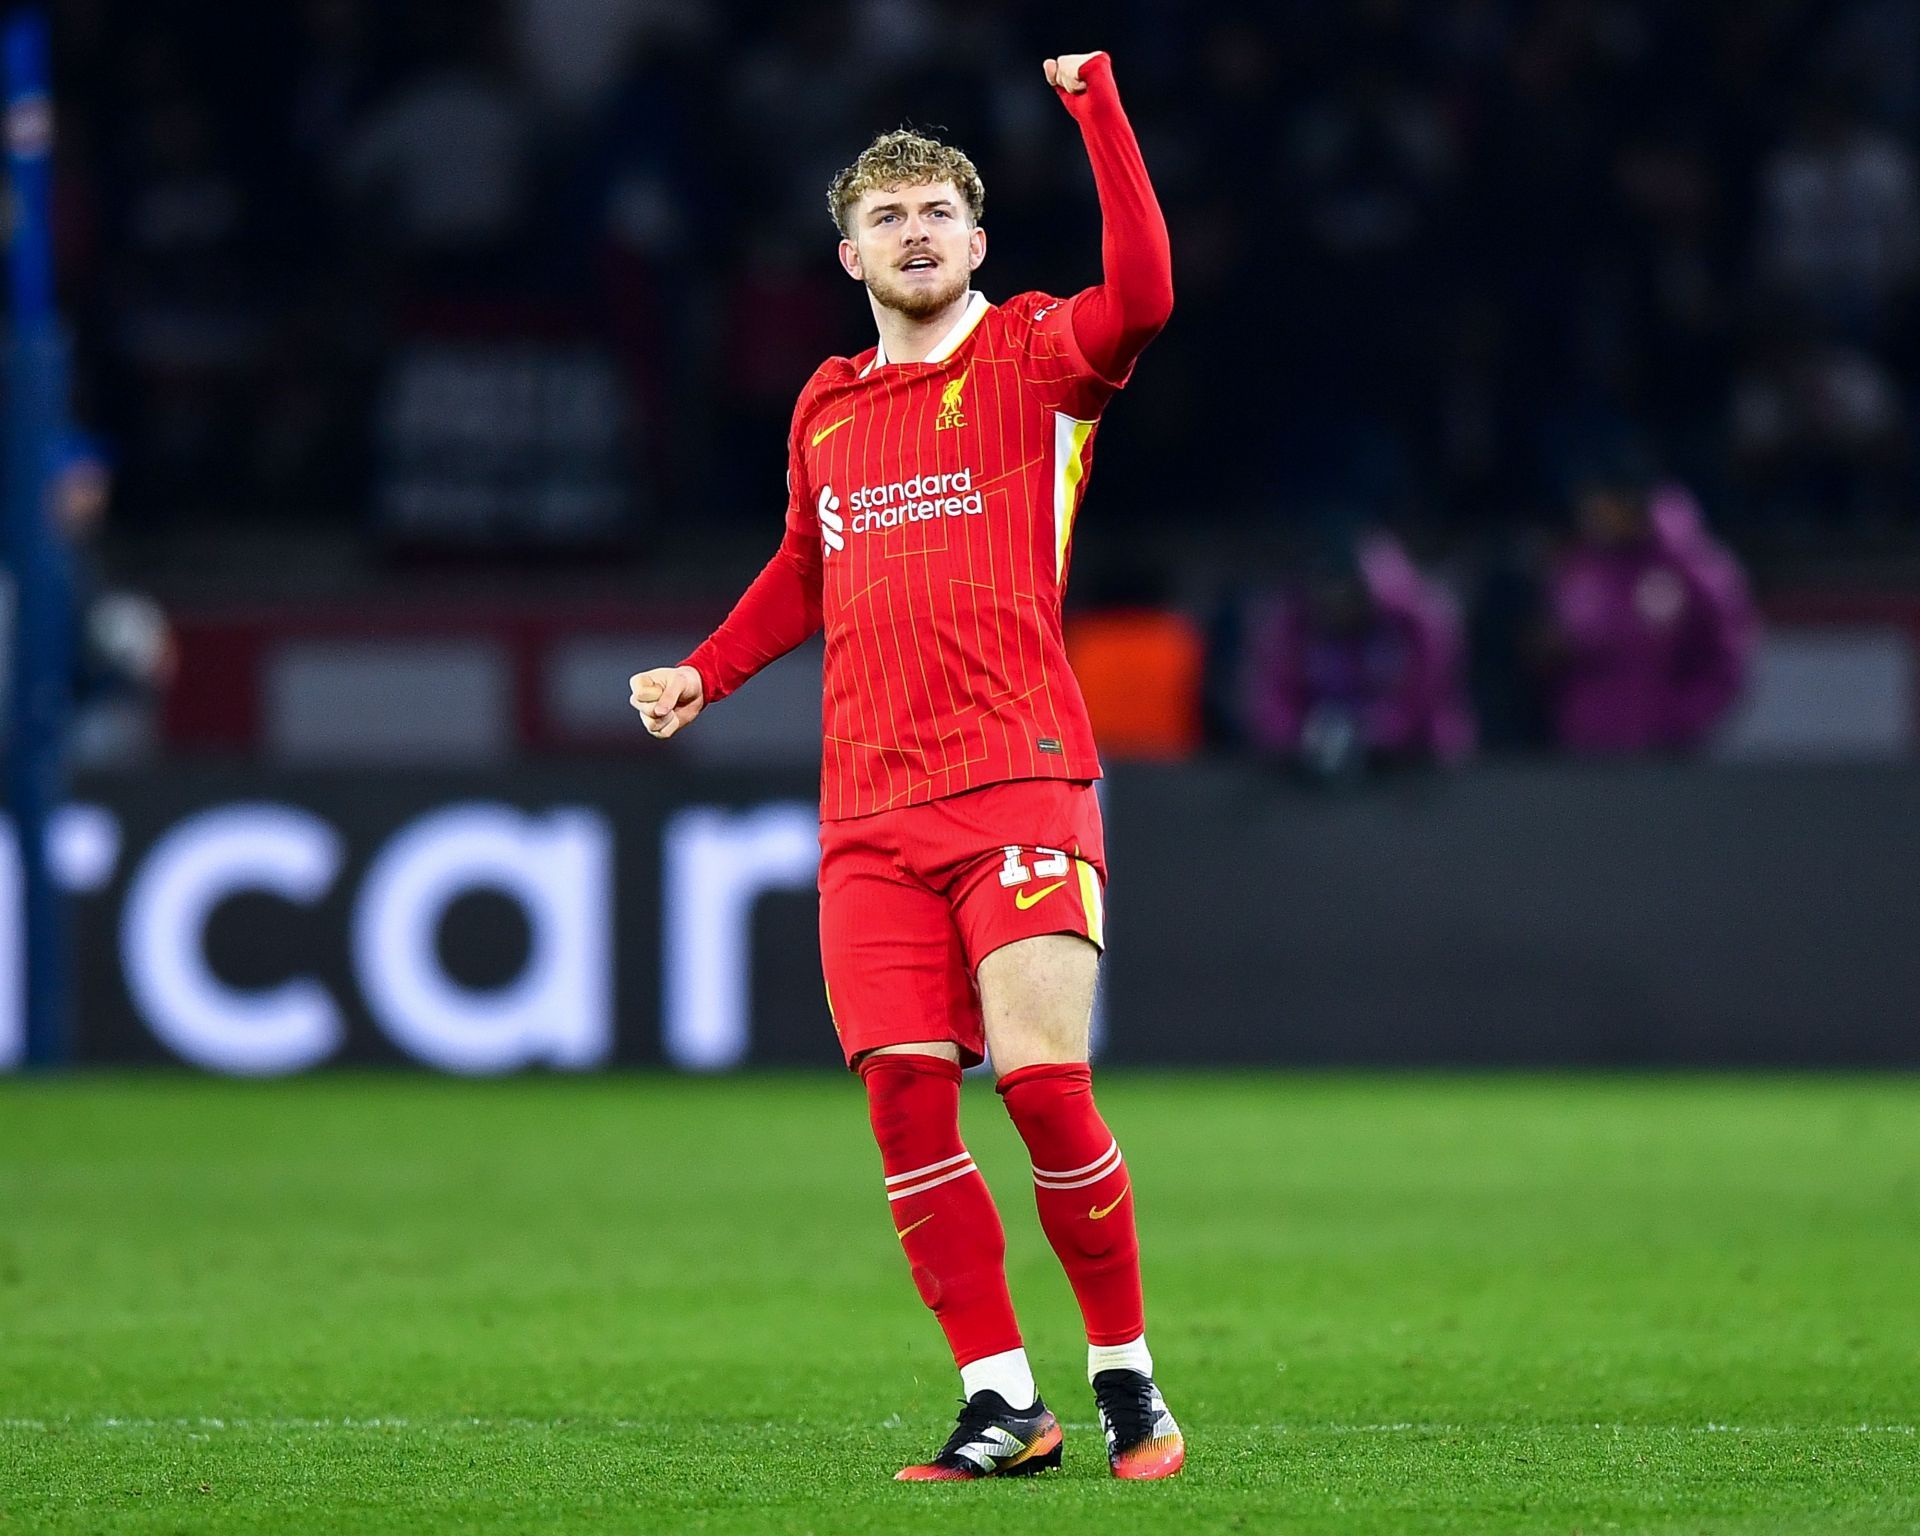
[(492, 434), (571, 918)]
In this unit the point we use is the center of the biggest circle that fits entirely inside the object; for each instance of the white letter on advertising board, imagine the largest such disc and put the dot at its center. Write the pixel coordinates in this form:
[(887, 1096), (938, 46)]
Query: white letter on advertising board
[(557, 867), (279, 849), (716, 865)]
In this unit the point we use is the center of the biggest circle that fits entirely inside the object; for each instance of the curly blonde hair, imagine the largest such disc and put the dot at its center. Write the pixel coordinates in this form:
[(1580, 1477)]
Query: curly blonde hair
[(903, 158)]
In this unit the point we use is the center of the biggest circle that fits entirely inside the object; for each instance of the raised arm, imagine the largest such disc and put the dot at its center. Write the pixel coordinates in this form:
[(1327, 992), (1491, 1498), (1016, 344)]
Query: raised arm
[(1114, 321)]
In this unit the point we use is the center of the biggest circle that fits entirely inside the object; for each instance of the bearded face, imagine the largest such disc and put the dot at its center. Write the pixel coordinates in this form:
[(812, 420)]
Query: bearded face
[(915, 248), (920, 290)]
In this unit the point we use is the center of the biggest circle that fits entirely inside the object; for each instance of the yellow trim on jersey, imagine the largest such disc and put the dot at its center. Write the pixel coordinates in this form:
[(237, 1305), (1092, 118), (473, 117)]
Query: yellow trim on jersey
[(1090, 903), (1069, 447)]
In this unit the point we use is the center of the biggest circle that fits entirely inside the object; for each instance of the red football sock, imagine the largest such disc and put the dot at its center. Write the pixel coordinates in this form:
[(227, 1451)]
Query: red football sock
[(942, 1211), (1080, 1184)]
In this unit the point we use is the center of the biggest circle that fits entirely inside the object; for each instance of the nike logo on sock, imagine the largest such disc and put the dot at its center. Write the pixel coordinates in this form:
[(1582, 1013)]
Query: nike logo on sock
[(1098, 1212), (915, 1226)]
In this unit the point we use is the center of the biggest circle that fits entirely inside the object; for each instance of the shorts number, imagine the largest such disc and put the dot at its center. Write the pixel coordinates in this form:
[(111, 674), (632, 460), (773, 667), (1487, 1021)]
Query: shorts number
[(1051, 865)]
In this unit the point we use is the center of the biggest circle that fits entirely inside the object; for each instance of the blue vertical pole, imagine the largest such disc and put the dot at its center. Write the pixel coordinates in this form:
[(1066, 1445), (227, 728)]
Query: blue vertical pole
[(36, 408)]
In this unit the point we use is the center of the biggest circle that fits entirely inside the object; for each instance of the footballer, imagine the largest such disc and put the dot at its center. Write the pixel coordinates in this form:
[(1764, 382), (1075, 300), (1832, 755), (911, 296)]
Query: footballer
[(933, 486)]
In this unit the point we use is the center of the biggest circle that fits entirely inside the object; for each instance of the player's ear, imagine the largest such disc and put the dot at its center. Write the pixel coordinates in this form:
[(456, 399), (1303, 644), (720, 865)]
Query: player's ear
[(850, 261), (976, 248)]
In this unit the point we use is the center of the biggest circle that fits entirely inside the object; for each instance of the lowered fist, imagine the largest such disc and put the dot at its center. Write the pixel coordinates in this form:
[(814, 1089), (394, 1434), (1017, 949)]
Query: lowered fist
[(667, 698)]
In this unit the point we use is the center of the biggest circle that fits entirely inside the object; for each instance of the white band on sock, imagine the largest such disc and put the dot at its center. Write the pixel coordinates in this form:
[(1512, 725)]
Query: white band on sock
[(1119, 1357), (1006, 1373)]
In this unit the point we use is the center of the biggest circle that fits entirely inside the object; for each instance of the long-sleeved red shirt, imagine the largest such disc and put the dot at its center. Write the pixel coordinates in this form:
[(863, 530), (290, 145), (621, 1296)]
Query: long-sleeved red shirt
[(930, 517)]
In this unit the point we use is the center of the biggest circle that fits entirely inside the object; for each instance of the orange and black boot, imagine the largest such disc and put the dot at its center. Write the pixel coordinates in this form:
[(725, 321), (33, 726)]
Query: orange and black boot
[(1142, 1439), (992, 1440)]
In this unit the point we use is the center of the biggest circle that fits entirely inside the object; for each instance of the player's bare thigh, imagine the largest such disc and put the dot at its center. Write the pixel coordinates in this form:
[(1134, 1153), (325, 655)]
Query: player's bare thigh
[(1037, 998), (946, 1050)]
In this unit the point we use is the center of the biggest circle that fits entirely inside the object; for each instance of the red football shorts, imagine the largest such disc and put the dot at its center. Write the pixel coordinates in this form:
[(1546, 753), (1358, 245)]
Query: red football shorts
[(911, 901)]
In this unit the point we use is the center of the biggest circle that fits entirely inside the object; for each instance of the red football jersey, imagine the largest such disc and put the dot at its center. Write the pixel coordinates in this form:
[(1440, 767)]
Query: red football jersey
[(934, 505), (930, 515)]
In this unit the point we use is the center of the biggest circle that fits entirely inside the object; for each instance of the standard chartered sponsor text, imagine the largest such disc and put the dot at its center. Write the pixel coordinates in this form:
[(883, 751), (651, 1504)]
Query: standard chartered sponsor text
[(916, 500)]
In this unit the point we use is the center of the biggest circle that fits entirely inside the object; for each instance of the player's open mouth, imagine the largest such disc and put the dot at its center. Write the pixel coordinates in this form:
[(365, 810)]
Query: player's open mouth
[(920, 264)]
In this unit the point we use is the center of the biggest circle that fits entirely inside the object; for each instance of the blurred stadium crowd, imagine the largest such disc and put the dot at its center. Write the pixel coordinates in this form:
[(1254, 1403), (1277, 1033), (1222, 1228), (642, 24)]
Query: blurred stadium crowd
[(1485, 272), (1421, 247)]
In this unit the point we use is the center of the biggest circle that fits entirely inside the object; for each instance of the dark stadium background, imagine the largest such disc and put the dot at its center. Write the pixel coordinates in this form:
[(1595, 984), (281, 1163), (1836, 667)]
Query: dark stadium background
[(436, 358)]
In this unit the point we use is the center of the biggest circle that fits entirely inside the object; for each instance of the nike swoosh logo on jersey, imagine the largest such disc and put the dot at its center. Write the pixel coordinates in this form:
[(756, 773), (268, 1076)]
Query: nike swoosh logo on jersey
[(826, 432), (1100, 1212), (1022, 900)]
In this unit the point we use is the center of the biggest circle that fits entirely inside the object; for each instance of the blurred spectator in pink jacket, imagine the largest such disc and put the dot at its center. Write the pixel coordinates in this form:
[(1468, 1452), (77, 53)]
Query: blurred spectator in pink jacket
[(1651, 626), (1361, 665)]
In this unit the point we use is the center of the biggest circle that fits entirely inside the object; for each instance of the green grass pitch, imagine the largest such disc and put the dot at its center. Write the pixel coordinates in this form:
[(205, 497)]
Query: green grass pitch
[(1401, 1304)]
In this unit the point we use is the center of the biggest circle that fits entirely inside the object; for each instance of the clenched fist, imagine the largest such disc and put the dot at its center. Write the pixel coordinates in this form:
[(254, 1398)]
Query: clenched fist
[(1063, 73), (667, 698)]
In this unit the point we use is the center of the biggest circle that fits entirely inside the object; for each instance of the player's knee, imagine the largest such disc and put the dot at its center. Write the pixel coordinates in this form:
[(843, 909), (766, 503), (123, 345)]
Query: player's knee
[(911, 1095), (1038, 1041)]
